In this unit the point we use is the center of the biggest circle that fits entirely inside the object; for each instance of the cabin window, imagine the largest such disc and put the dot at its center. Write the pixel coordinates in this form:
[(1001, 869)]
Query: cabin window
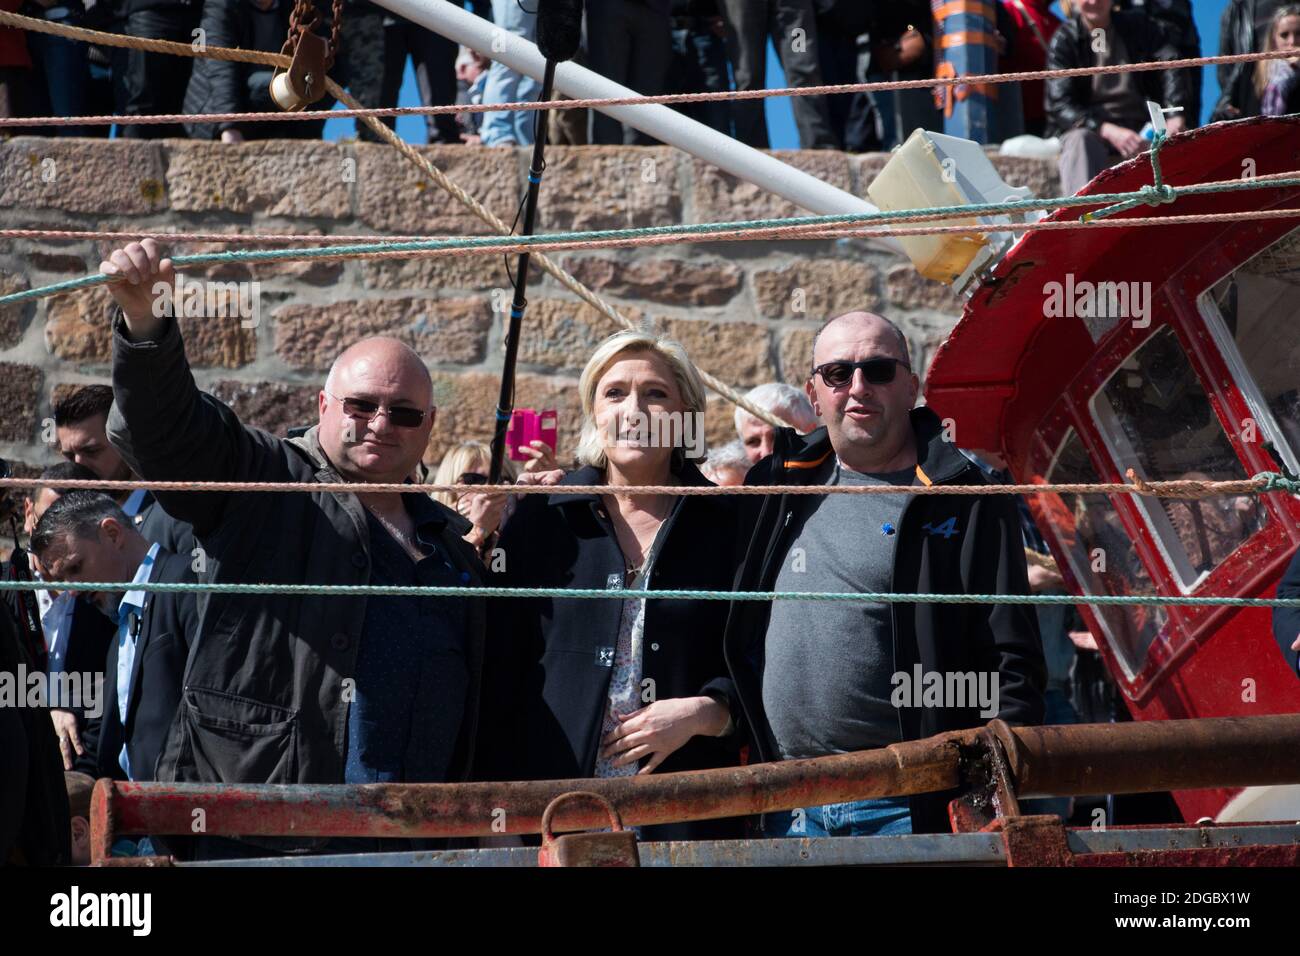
[(1251, 313), (1100, 553), (1156, 418)]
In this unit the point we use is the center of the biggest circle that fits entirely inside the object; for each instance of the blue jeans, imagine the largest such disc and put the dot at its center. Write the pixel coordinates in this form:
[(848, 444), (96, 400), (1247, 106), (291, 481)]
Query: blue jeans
[(700, 65), (886, 816), (66, 72), (126, 846), (504, 85)]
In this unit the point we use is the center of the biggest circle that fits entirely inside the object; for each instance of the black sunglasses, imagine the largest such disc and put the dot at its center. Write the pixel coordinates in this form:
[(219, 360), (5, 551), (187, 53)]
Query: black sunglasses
[(365, 409), (877, 371), (472, 478)]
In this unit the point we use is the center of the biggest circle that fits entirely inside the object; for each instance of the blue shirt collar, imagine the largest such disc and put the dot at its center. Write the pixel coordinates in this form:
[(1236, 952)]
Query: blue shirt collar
[(135, 598), (135, 502)]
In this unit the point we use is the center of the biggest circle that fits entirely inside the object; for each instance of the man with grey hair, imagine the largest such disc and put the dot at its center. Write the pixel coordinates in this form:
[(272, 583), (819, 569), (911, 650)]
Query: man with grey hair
[(86, 536), (785, 402), (726, 464), (832, 677), (295, 688)]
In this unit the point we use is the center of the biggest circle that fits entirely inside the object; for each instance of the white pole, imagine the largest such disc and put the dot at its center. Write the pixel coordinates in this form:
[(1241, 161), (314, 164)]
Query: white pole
[(654, 119)]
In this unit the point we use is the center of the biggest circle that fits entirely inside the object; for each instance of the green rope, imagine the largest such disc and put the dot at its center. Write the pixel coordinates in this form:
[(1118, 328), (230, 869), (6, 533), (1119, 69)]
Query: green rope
[(490, 243), (1154, 195), (1273, 481), (377, 590)]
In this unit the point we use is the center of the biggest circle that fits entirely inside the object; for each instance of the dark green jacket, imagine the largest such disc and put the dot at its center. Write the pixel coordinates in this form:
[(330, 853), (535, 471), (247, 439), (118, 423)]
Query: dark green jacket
[(264, 694)]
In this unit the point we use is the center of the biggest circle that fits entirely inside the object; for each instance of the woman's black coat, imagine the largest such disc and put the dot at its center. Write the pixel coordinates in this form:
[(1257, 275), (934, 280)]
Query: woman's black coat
[(547, 674)]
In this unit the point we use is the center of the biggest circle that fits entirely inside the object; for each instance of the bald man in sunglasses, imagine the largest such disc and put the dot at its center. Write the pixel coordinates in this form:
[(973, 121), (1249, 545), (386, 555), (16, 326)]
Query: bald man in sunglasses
[(820, 678), (284, 688)]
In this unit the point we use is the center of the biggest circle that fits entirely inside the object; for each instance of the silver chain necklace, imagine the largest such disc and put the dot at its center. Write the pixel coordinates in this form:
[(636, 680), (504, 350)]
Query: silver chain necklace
[(401, 536)]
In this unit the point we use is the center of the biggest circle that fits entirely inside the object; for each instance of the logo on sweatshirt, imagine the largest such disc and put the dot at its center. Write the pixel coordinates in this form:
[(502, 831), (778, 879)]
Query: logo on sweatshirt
[(947, 528)]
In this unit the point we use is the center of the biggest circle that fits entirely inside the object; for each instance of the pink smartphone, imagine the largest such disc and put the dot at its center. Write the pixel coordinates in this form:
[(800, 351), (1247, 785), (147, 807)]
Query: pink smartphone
[(528, 425)]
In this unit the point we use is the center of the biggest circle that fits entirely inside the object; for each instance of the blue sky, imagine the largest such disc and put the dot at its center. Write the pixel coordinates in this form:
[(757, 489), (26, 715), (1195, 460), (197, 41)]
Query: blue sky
[(780, 120)]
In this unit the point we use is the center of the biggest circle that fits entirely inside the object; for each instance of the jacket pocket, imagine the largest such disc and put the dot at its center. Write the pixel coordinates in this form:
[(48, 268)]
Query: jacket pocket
[(234, 739)]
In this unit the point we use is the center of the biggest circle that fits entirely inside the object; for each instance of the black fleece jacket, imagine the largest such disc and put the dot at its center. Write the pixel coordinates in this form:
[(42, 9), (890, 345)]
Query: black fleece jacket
[(952, 544), (1069, 99)]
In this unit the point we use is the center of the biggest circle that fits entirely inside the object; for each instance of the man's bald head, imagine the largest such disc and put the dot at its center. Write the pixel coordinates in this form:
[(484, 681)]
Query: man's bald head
[(380, 351), (868, 319), (377, 371), (868, 422)]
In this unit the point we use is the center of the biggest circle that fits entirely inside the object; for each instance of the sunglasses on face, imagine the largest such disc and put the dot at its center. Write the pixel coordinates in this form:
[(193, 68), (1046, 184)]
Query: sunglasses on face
[(366, 410), (877, 371), (472, 478)]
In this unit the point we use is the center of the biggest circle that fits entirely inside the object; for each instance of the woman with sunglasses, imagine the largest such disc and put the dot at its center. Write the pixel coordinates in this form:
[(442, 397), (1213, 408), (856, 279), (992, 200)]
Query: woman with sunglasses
[(625, 685), (467, 464)]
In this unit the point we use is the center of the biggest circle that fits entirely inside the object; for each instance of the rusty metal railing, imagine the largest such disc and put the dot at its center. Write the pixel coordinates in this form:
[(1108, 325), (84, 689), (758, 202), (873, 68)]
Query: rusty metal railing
[(1004, 762)]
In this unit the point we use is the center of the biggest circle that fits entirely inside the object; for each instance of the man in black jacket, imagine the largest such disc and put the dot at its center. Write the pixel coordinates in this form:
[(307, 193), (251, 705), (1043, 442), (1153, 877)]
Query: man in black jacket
[(1178, 21), (823, 678), (85, 536), (76, 635), (1099, 117), (293, 688)]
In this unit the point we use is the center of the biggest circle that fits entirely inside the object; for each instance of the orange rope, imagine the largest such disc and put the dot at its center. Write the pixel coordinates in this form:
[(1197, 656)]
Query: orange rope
[(1186, 489)]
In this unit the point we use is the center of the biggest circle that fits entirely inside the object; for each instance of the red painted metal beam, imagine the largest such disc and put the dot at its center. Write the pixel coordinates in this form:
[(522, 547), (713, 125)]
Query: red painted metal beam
[(1273, 855), (1148, 756), (1041, 841), (485, 809), (1074, 760)]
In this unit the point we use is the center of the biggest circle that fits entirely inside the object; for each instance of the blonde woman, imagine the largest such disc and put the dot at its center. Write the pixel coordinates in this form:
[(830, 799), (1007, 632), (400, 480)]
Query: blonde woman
[(1277, 82), (614, 687), (468, 463)]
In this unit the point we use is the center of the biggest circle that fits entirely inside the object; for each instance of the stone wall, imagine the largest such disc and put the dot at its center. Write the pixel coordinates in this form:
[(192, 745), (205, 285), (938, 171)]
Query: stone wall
[(744, 311)]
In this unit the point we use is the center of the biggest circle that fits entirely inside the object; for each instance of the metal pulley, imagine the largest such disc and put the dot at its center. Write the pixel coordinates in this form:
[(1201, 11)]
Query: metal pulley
[(303, 83)]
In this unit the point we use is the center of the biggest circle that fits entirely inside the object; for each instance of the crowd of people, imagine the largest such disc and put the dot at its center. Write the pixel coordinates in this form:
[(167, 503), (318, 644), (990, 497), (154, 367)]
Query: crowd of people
[(220, 687), (1103, 119), (658, 46), (283, 687)]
